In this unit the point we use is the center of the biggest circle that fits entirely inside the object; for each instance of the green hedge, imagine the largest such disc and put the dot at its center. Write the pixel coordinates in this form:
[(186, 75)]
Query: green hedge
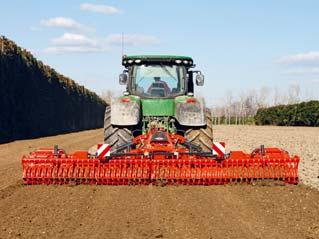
[(302, 114), (36, 101)]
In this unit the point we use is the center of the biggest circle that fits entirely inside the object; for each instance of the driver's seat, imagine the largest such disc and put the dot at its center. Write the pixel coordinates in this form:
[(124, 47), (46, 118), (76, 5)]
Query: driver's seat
[(158, 89), (158, 92)]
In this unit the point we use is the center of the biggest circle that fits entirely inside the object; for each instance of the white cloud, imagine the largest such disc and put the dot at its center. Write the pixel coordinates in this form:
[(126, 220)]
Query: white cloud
[(302, 58), (303, 64), (304, 71), (60, 22), (99, 8), (64, 22), (72, 39), (72, 49), (80, 43), (75, 43), (132, 39)]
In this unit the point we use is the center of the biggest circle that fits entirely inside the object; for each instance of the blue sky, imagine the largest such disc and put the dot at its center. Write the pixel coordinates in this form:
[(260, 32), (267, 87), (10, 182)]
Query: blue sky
[(239, 45)]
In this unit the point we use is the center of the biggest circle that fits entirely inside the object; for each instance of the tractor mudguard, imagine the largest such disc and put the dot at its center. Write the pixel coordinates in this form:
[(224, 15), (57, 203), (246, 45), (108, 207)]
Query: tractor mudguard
[(190, 112), (125, 111)]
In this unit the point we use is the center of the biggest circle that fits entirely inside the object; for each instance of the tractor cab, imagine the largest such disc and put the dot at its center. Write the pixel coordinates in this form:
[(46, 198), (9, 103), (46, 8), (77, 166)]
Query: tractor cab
[(159, 76)]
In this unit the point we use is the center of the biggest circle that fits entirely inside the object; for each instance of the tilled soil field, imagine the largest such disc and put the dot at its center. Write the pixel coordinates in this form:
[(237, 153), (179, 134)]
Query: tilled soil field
[(264, 210)]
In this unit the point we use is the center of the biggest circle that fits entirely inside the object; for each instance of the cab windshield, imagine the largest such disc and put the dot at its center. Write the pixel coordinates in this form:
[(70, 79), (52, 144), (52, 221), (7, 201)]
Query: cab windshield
[(158, 80)]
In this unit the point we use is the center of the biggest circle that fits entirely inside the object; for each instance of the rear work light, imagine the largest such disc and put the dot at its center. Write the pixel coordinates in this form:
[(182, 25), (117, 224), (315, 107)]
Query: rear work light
[(126, 100), (191, 101)]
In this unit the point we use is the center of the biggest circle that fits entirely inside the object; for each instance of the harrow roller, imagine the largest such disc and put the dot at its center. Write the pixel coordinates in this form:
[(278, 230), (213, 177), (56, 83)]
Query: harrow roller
[(158, 163)]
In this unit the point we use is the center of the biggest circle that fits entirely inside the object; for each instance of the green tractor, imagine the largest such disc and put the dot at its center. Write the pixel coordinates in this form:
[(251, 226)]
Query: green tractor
[(159, 93)]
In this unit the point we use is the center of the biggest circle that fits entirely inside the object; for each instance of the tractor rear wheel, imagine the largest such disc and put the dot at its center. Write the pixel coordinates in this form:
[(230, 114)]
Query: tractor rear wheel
[(115, 135), (202, 135)]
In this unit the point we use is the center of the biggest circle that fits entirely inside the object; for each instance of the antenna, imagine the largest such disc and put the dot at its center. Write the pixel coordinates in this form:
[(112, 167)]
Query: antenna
[(122, 44)]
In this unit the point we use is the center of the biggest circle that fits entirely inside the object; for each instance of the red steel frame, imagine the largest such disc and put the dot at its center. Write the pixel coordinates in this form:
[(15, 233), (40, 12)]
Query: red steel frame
[(158, 162)]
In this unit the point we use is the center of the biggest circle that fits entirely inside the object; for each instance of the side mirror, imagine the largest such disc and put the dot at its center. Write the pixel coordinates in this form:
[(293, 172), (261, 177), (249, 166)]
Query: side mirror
[(123, 79), (199, 79)]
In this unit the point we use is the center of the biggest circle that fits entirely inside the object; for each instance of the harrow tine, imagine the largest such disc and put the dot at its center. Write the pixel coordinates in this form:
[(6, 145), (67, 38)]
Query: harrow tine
[(49, 167)]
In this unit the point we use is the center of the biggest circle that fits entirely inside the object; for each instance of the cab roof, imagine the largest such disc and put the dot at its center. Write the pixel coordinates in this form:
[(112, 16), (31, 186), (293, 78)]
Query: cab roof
[(140, 59)]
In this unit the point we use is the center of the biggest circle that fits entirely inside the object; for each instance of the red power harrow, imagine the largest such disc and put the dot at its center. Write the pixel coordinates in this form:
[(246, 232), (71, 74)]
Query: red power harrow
[(158, 158)]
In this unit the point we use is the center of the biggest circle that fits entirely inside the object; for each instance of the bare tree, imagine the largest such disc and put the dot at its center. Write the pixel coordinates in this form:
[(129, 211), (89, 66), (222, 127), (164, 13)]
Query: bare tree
[(309, 95), (262, 97), (277, 97), (243, 110), (293, 94), (107, 95), (229, 98)]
